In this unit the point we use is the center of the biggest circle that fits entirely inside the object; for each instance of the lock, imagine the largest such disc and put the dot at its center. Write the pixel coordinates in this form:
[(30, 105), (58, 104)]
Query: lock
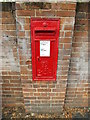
[(38, 58)]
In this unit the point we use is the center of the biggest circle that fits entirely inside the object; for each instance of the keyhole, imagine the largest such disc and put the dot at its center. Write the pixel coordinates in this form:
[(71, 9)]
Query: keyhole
[(38, 58)]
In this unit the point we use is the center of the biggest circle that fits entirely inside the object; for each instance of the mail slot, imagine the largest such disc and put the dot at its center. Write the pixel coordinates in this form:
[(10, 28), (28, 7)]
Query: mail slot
[(44, 47), (44, 32)]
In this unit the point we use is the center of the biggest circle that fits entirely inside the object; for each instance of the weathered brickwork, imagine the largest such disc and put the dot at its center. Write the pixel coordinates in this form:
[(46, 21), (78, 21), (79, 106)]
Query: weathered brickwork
[(77, 89), (41, 96), (71, 85), (11, 87)]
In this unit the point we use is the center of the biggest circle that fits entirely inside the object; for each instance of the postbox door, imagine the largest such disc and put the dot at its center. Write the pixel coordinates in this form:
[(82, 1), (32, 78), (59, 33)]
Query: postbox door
[(44, 58), (44, 42)]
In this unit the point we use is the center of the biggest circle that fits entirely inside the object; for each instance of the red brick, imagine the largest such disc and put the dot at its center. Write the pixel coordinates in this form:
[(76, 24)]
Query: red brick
[(77, 44), (44, 90), (4, 72), (71, 6), (45, 98), (19, 6), (21, 33), (10, 33), (68, 27), (65, 40), (27, 20), (67, 46), (75, 55), (62, 21), (37, 94), (68, 6), (56, 6), (6, 77), (10, 27), (69, 20), (51, 86), (27, 27), (64, 6), (29, 90), (25, 12), (62, 77), (68, 34), (44, 94), (24, 71), (8, 21), (61, 46), (62, 34), (6, 14), (65, 13), (14, 81), (45, 13), (81, 34)]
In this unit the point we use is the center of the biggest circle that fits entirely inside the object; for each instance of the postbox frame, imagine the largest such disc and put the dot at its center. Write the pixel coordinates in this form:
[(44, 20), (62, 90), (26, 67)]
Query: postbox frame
[(53, 78)]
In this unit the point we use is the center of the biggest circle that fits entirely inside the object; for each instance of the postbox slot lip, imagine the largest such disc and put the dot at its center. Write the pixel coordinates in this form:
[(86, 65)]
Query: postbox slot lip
[(45, 39), (44, 32), (45, 29)]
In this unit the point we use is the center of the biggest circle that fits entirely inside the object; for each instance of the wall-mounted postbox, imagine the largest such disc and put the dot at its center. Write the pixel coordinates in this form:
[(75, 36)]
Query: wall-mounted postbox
[(44, 44)]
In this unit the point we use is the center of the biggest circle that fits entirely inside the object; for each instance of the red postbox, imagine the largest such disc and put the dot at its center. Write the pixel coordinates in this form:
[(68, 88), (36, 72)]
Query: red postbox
[(44, 44)]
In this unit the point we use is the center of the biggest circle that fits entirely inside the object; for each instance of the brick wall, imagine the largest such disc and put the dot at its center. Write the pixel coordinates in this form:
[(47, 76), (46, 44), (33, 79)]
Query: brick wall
[(77, 89), (11, 87), (41, 96), (71, 85), (0, 61)]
